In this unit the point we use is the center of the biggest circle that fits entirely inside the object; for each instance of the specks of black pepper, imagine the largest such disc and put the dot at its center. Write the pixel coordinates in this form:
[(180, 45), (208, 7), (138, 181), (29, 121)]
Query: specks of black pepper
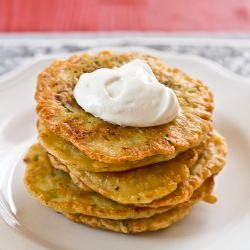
[(169, 83), (36, 157), (106, 137), (117, 188), (138, 209), (68, 86), (26, 159), (54, 84), (76, 119), (58, 98), (111, 133), (125, 223), (138, 198), (97, 63)]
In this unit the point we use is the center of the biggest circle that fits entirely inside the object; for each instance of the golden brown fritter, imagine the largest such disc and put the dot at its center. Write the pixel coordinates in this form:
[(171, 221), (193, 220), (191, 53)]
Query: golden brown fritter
[(141, 185), (71, 156), (210, 163), (146, 185), (134, 186), (110, 143), (54, 188), (154, 223), (129, 226)]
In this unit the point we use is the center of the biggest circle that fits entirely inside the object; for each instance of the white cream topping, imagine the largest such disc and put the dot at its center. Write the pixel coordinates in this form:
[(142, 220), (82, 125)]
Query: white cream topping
[(128, 96)]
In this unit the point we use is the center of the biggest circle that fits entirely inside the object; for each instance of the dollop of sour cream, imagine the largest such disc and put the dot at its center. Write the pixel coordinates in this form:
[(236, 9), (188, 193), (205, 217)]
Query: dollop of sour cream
[(128, 96)]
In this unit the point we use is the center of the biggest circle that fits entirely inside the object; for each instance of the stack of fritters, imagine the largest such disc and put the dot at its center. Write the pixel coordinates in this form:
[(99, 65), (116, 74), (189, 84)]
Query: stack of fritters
[(124, 179)]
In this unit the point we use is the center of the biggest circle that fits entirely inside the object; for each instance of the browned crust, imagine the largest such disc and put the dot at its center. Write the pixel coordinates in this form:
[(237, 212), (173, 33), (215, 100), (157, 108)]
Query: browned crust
[(109, 143)]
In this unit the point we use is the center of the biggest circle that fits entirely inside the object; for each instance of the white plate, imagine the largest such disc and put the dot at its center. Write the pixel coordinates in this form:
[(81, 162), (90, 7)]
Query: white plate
[(25, 224)]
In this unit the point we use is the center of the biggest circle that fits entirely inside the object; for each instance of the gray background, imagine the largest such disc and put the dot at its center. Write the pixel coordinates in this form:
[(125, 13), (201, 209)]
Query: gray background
[(231, 51)]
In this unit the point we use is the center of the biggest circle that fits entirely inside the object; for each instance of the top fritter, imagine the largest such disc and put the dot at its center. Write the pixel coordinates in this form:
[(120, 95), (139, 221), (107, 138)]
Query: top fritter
[(111, 143)]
